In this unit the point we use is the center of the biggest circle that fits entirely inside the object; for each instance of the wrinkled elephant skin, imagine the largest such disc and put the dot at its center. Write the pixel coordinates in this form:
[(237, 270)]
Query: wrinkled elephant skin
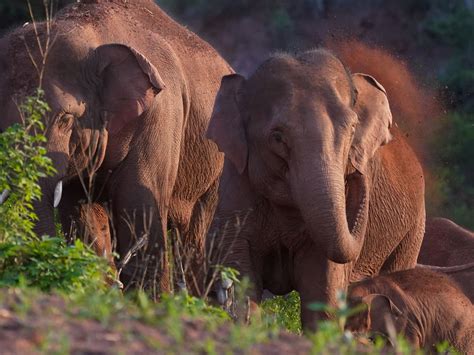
[(318, 187), (447, 244)]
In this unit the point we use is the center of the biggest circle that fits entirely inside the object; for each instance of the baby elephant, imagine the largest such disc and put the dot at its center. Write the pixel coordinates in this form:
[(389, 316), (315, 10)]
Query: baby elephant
[(425, 306)]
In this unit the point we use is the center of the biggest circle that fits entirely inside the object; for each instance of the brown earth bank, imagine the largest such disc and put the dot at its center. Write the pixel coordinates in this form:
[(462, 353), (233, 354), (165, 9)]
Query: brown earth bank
[(47, 325)]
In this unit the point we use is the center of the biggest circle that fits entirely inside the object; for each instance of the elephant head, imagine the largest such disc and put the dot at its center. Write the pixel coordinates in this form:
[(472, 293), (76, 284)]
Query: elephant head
[(380, 316), (97, 94), (304, 130)]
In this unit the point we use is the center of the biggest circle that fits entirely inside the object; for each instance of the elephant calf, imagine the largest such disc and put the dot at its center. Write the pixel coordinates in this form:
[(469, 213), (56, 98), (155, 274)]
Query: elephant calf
[(425, 306), (94, 230)]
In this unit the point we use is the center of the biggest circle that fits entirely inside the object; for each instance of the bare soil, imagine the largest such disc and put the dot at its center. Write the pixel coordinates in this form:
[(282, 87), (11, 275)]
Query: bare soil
[(47, 325)]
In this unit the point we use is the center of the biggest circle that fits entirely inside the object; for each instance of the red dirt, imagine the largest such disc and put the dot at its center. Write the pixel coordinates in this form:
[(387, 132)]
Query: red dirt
[(47, 325)]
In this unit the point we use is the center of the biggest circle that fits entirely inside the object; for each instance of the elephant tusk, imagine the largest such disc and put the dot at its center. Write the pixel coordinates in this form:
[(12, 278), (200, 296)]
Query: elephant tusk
[(221, 296), (226, 284), (4, 195), (58, 192), (118, 284)]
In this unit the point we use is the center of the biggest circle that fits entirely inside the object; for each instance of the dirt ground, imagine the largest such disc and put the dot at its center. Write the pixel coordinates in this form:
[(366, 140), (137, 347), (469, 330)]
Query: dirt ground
[(48, 326)]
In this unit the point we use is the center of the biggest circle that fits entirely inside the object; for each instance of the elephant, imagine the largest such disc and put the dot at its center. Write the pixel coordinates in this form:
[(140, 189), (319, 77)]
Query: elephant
[(449, 246), (319, 188), (95, 231), (425, 306), (131, 93), (446, 244)]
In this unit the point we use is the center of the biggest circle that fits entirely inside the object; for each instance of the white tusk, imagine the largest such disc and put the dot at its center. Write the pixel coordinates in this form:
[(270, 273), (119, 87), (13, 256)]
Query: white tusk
[(58, 192), (221, 296), (226, 284), (117, 283), (4, 195)]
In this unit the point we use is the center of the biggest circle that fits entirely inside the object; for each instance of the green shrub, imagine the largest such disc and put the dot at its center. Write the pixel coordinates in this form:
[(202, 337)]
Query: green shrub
[(23, 162), (45, 263), (50, 264), (284, 311)]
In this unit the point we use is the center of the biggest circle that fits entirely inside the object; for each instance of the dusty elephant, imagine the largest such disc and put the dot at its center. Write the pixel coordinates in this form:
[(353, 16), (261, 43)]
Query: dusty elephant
[(309, 199), (425, 306), (447, 244), (131, 93)]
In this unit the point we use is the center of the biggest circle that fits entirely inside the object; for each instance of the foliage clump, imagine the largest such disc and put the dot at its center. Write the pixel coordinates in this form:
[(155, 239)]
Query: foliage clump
[(23, 162), (25, 258)]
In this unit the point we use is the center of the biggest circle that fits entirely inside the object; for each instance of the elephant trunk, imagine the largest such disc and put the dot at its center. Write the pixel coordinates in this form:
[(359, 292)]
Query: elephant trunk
[(335, 210), (90, 158), (44, 210)]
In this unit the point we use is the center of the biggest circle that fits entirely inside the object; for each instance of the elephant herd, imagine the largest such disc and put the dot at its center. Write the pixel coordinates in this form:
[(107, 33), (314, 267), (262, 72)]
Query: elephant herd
[(297, 176)]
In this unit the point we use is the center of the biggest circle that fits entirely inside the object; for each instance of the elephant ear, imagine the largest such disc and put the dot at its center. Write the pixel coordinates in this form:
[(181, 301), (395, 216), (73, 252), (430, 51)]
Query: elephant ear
[(383, 314), (375, 120), (127, 83), (226, 127)]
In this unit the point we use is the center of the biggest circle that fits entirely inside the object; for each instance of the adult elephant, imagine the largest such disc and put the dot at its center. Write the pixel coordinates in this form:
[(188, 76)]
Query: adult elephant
[(309, 200), (449, 248), (131, 93), (446, 243)]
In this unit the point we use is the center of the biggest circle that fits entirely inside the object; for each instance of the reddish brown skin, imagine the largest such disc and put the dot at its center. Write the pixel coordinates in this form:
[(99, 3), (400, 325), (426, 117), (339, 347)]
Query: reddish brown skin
[(425, 306), (140, 107), (95, 230), (447, 244), (262, 228)]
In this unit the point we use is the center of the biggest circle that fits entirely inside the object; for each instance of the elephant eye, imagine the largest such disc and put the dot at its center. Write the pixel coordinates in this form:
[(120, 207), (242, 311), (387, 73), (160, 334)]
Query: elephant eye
[(66, 121), (277, 136)]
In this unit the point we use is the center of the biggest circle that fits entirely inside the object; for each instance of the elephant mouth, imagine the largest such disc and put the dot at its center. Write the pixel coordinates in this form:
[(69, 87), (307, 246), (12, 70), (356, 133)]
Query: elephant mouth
[(356, 201), (97, 151), (87, 157)]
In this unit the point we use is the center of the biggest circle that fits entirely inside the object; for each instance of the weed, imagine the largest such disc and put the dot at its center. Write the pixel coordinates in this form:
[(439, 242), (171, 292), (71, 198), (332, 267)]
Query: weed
[(23, 162), (284, 311)]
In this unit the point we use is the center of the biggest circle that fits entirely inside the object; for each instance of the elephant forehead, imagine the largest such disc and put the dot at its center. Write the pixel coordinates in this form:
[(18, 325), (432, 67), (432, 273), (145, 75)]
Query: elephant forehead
[(63, 97), (358, 290)]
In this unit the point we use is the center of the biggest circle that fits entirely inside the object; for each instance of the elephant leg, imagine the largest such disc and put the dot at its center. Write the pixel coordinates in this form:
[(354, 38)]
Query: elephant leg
[(139, 223), (231, 249), (406, 253), (192, 245), (317, 280), (69, 210)]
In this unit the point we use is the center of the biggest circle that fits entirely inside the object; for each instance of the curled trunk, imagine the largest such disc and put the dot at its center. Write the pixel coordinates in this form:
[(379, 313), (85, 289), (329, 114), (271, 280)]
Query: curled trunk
[(335, 211)]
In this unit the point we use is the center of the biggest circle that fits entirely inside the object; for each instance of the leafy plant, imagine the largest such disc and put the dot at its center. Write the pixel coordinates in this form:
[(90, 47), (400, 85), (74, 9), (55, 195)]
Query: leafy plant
[(284, 311), (23, 162), (49, 264), (45, 263)]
